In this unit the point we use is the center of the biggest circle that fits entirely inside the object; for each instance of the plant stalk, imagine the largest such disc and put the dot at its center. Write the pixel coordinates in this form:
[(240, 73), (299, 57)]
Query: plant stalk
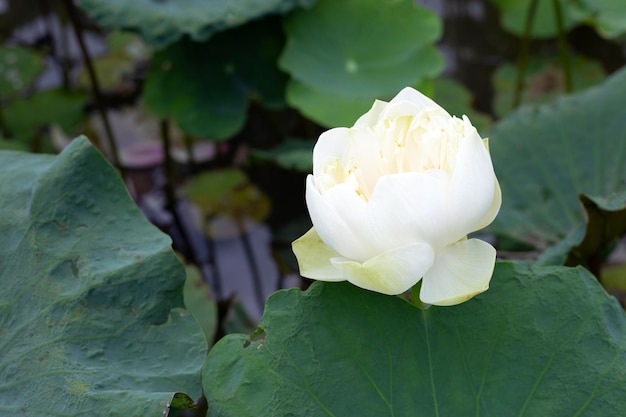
[(523, 54), (95, 85), (563, 50)]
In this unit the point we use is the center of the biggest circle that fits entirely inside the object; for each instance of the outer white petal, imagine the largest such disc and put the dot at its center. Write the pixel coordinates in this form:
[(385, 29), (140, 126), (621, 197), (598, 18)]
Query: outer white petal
[(314, 258), (459, 272), (408, 102), (409, 207), (472, 189), (339, 217), (331, 144), (494, 209), (392, 272)]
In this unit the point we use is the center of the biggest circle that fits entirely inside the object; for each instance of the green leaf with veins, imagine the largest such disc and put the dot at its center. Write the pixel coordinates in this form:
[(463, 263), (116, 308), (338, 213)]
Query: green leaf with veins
[(91, 318), (546, 156), (540, 342)]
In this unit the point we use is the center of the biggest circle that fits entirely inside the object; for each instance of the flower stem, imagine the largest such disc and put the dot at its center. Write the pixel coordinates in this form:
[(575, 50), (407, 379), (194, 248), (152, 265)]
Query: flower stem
[(415, 296)]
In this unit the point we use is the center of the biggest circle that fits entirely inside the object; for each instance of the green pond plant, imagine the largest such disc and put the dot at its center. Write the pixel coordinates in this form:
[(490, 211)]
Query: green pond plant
[(414, 308)]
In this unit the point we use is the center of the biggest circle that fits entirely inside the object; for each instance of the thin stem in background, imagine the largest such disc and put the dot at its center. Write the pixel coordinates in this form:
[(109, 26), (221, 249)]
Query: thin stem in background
[(523, 54), (212, 254), (171, 202), (95, 85), (254, 267), (191, 161), (563, 51), (60, 55)]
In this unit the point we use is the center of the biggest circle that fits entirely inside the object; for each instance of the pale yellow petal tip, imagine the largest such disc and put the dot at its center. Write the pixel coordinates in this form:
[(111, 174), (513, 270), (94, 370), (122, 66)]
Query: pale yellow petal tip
[(314, 258), (461, 272), (454, 300)]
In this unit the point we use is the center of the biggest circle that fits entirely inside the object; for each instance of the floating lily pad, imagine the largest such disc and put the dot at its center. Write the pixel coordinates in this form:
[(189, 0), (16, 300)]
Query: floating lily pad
[(91, 298), (540, 342), (546, 156), (343, 54), (205, 86), (161, 22)]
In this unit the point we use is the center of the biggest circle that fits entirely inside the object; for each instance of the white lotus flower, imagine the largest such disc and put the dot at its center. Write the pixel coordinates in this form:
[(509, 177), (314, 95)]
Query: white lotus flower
[(393, 198)]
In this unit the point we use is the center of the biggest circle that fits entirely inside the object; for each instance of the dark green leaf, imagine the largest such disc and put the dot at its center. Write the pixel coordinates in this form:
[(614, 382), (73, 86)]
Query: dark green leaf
[(205, 86), (161, 22), (344, 54), (546, 156), (296, 154), (606, 223), (90, 304), (541, 342)]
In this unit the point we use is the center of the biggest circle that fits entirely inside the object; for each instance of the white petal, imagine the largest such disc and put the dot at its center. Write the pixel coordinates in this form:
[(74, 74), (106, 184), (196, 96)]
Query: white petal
[(409, 207), (408, 102), (314, 258), (339, 217), (331, 144), (494, 209), (392, 272), (372, 116), (472, 188), (459, 272)]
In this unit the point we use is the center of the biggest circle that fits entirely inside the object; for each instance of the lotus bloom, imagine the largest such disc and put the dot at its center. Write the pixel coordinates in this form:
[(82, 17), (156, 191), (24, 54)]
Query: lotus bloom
[(393, 198)]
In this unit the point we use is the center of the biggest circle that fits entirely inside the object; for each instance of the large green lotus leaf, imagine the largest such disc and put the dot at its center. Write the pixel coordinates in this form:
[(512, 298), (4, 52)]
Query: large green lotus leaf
[(362, 48), (608, 16), (331, 109), (205, 86), (161, 22), (544, 81), (18, 69), (513, 16), (325, 107), (90, 317), (541, 342), (546, 156)]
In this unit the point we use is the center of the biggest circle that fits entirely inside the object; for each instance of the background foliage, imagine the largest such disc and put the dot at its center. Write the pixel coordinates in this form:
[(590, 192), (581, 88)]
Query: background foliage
[(209, 112)]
